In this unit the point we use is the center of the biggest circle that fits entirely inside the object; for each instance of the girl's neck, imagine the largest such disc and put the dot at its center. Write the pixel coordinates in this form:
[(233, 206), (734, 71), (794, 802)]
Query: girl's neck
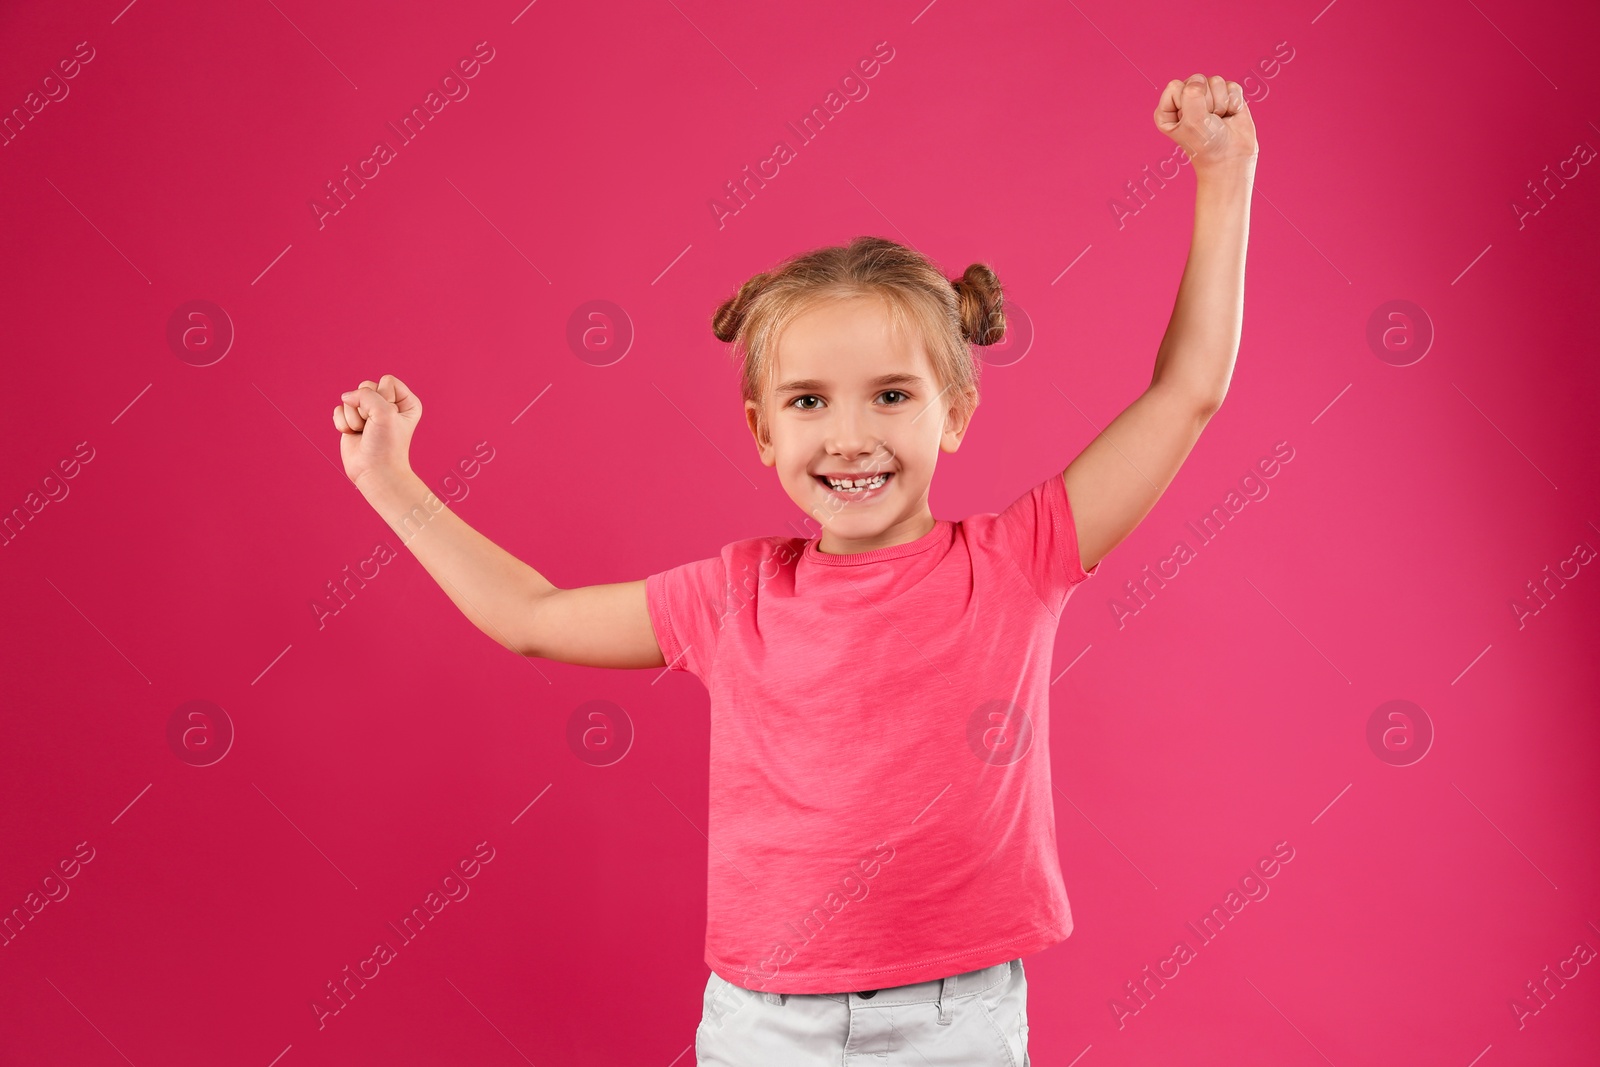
[(900, 533)]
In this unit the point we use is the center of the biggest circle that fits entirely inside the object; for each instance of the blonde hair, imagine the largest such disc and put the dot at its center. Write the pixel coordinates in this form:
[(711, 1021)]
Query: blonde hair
[(950, 315)]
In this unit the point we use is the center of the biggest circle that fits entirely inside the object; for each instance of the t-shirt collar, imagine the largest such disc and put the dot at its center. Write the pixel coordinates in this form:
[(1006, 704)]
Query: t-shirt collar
[(939, 535)]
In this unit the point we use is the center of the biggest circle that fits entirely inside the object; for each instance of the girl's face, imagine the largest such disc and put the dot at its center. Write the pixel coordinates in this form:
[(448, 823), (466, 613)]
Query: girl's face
[(850, 398)]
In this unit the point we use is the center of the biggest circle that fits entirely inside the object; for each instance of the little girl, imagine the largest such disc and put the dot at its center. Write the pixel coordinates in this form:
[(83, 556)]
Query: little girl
[(882, 831)]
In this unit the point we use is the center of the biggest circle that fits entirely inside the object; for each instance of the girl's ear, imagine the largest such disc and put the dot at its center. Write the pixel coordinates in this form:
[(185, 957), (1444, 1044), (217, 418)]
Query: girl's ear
[(955, 423), (752, 415)]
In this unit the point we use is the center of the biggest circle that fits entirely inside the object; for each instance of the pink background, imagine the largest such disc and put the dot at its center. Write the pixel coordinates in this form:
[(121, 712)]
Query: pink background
[(374, 751)]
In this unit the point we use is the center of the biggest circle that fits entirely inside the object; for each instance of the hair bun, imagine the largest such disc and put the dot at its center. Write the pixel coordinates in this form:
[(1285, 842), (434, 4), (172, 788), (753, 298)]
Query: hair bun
[(729, 318), (982, 305)]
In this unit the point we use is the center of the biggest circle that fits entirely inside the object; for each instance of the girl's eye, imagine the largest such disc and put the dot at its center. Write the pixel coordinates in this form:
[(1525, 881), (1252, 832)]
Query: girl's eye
[(797, 401)]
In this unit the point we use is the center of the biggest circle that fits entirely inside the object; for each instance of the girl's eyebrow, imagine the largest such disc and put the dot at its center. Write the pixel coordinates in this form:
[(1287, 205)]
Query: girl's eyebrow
[(880, 382)]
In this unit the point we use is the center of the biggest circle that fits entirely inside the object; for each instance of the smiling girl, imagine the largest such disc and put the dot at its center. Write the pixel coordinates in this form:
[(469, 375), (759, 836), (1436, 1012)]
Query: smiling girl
[(883, 847)]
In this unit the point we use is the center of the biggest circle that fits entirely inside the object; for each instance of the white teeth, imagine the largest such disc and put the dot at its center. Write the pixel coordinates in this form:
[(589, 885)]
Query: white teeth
[(859, 484)]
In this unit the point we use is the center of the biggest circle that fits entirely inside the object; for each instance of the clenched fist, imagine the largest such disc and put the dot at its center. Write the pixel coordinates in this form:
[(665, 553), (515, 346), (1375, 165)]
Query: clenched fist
[(1210, 119), (376, 420)]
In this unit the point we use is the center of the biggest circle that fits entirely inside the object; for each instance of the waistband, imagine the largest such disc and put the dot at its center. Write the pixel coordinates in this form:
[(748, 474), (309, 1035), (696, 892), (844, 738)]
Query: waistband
[(941, 990)]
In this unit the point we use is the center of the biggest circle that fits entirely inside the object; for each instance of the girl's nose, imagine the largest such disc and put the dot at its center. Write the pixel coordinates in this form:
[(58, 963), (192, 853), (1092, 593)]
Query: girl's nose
[(856, 448), (850, 447)]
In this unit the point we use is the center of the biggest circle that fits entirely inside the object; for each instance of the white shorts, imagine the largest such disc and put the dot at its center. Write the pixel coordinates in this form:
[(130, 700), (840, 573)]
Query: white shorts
[(976, 1019)]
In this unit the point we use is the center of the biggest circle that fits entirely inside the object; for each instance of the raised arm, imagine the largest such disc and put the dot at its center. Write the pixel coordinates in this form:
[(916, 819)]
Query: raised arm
[(596, 625), (1118, 477)]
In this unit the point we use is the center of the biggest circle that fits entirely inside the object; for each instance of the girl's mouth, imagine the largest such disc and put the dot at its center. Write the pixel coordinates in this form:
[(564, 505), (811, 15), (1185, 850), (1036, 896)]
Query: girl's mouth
[(871, 489)]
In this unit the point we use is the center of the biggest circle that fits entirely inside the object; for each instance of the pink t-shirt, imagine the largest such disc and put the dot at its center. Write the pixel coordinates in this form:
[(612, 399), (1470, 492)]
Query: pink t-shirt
[(881, 808)]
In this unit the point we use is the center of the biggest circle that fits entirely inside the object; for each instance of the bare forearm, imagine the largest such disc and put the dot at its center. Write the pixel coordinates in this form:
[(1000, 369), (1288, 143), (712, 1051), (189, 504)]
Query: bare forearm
[(493, 589), (1197, 353)]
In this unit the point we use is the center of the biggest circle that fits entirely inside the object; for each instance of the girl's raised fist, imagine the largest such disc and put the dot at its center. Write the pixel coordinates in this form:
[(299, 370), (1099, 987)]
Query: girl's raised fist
[(376, 420), (1210, 119)]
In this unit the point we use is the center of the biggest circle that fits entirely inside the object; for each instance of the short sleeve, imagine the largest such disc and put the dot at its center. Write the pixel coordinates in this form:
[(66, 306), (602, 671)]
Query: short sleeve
[(1039, 532), (686, 611)]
